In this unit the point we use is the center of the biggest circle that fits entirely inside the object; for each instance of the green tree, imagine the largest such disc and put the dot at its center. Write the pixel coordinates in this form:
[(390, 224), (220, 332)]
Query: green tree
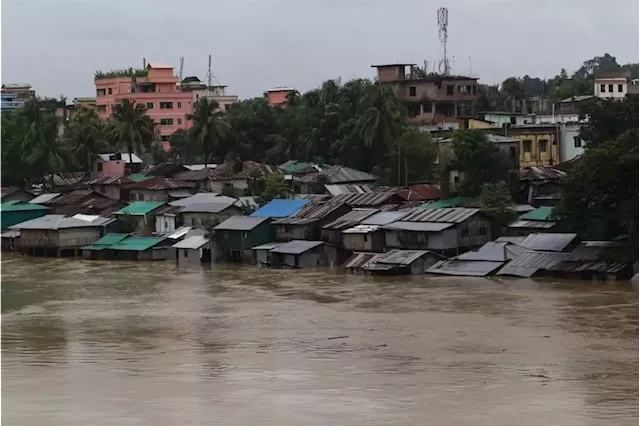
[(479, 160), (411, 158), (86, 138), (608, 119), (497, 203), (275, 187), (209, 127), (600, 193), (132, 126)]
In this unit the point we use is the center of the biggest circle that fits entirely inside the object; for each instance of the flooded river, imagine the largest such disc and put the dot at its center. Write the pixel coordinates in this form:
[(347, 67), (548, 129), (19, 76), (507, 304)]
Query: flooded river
[(149, 344)]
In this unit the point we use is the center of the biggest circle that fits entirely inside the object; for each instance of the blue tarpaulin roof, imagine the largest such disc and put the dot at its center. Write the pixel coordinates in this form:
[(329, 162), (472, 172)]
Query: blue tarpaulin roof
[(280, 208)]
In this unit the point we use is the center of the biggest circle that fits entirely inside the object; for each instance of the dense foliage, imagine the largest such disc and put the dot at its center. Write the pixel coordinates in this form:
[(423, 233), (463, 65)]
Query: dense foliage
[(124, 72), (601, 194)]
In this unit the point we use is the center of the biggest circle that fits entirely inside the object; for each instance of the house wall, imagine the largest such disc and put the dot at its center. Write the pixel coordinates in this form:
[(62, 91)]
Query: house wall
[(148, 195), (295, 232), (533, 156), (473, 232), (262, 256), (111, 191), (333, 236), (61, 238), (610, 92), (373, 241), (189, 257), (109, 168), (165, 224), (239, 240), (200, 220), (411, 240), (322, 256), (568, 141), (237, 187)]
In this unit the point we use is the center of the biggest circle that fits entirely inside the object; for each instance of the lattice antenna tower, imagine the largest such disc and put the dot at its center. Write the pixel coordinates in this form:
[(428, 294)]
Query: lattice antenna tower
[(443, 24), (210, 75), (180, 73)]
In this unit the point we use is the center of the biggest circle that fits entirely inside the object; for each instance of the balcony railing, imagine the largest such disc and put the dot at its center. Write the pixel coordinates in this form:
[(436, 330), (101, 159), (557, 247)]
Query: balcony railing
[(15, 104)]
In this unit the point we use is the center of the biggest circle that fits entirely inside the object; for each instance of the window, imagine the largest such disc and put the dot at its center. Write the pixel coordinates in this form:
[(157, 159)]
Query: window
[(101, 108), (619, 88), (512, 152), (603, 88), (166, 105), (577, 142), (166, 121), (450, 89), (611, 88), (101, 92), (164, 138), (468, 90), (542, 145), (481, 230), (140, 197), (179, 105), (179, 120), (226, 107), (412, 91), (475, 89), (110, 91), (456, 179), (185, 252), (99, 167), (464, 233), (526, 145), (149, 105), (193, 221), (512, 120)]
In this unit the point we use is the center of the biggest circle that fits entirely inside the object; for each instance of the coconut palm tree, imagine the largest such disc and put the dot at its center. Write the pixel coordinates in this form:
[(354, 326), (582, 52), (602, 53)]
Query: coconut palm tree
[(209, 126), (86, 138), (133, 127)]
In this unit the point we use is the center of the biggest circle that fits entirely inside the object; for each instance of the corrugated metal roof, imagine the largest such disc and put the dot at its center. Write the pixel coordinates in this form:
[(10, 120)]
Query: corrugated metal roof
[(125, 158), (105, 242), (339, 174), (159, 184), (383, 218), (312, 197), (395, 258), (420, 192), (240, 223), (494, 252), (136, 243), (179, 233), (470, 268), (350, 219), (595, 257), (297, 246), (544, 213), (512, 240), (418, 226), (167, 210), (207, 207), (548, 242), (193, 242), (212, 174), (524, 208), (45, 198), (139, 208), (338, 189), (202, 197), (75, 197), (604, 267), (180, 193), (449, 202), (361, 229), (56, 221), (110, 180), (310, 213), (358, 260), (446, 215), (19, 207), (541, 173), (267, 246), (280, 208), (12, 233), (372, 199), (529, 263), (534, 224), (66, 178)]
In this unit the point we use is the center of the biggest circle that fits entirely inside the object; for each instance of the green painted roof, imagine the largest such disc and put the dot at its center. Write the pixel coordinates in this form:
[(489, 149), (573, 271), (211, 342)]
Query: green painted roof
[(16, 206), (139, 177), (449, 202), (140, 207), (301, 165), (541, 213), (136, 243), (105, 242)]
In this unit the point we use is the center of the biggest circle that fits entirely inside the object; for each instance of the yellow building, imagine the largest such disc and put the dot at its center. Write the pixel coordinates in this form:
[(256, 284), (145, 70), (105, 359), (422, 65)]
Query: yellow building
[(537, 148)]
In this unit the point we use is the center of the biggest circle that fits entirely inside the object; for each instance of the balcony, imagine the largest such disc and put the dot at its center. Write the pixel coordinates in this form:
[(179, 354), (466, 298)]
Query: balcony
[(12, 105)]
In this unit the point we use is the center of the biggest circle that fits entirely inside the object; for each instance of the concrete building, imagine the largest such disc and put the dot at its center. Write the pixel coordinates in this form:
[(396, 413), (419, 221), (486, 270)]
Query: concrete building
[(154, 87), (613, 85), (502, 118), (571, 144), (14, 95), (429, 98), (203, 214), (115, 164), (200, 90), (277, 96), (193, 250)]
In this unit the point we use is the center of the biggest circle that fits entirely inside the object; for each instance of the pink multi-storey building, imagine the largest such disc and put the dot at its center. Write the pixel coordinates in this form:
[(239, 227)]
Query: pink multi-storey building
[(158, 91)]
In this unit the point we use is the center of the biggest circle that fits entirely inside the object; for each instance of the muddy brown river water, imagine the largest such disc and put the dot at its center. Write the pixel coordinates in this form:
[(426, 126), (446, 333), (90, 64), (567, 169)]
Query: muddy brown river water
[(93, 343)]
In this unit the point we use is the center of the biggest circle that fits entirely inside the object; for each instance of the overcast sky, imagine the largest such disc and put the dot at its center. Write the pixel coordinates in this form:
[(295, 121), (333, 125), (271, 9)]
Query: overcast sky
[(56, 45)]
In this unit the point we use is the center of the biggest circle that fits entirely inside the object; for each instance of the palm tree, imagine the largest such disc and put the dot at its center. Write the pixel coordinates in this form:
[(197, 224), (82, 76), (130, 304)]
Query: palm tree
[(43, 151), (209, 126), (133, 127), (86, 138)]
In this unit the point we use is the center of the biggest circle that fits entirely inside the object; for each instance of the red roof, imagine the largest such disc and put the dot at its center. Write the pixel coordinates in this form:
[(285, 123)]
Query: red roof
[(420, 192)]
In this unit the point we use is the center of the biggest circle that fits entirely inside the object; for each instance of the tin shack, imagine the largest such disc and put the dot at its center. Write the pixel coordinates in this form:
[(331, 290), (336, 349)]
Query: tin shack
[(236, 236)]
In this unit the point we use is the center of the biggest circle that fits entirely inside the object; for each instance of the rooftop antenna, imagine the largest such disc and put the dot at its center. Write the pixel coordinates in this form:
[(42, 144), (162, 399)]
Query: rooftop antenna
[(210, 75), (180, 74), (443, 24)]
